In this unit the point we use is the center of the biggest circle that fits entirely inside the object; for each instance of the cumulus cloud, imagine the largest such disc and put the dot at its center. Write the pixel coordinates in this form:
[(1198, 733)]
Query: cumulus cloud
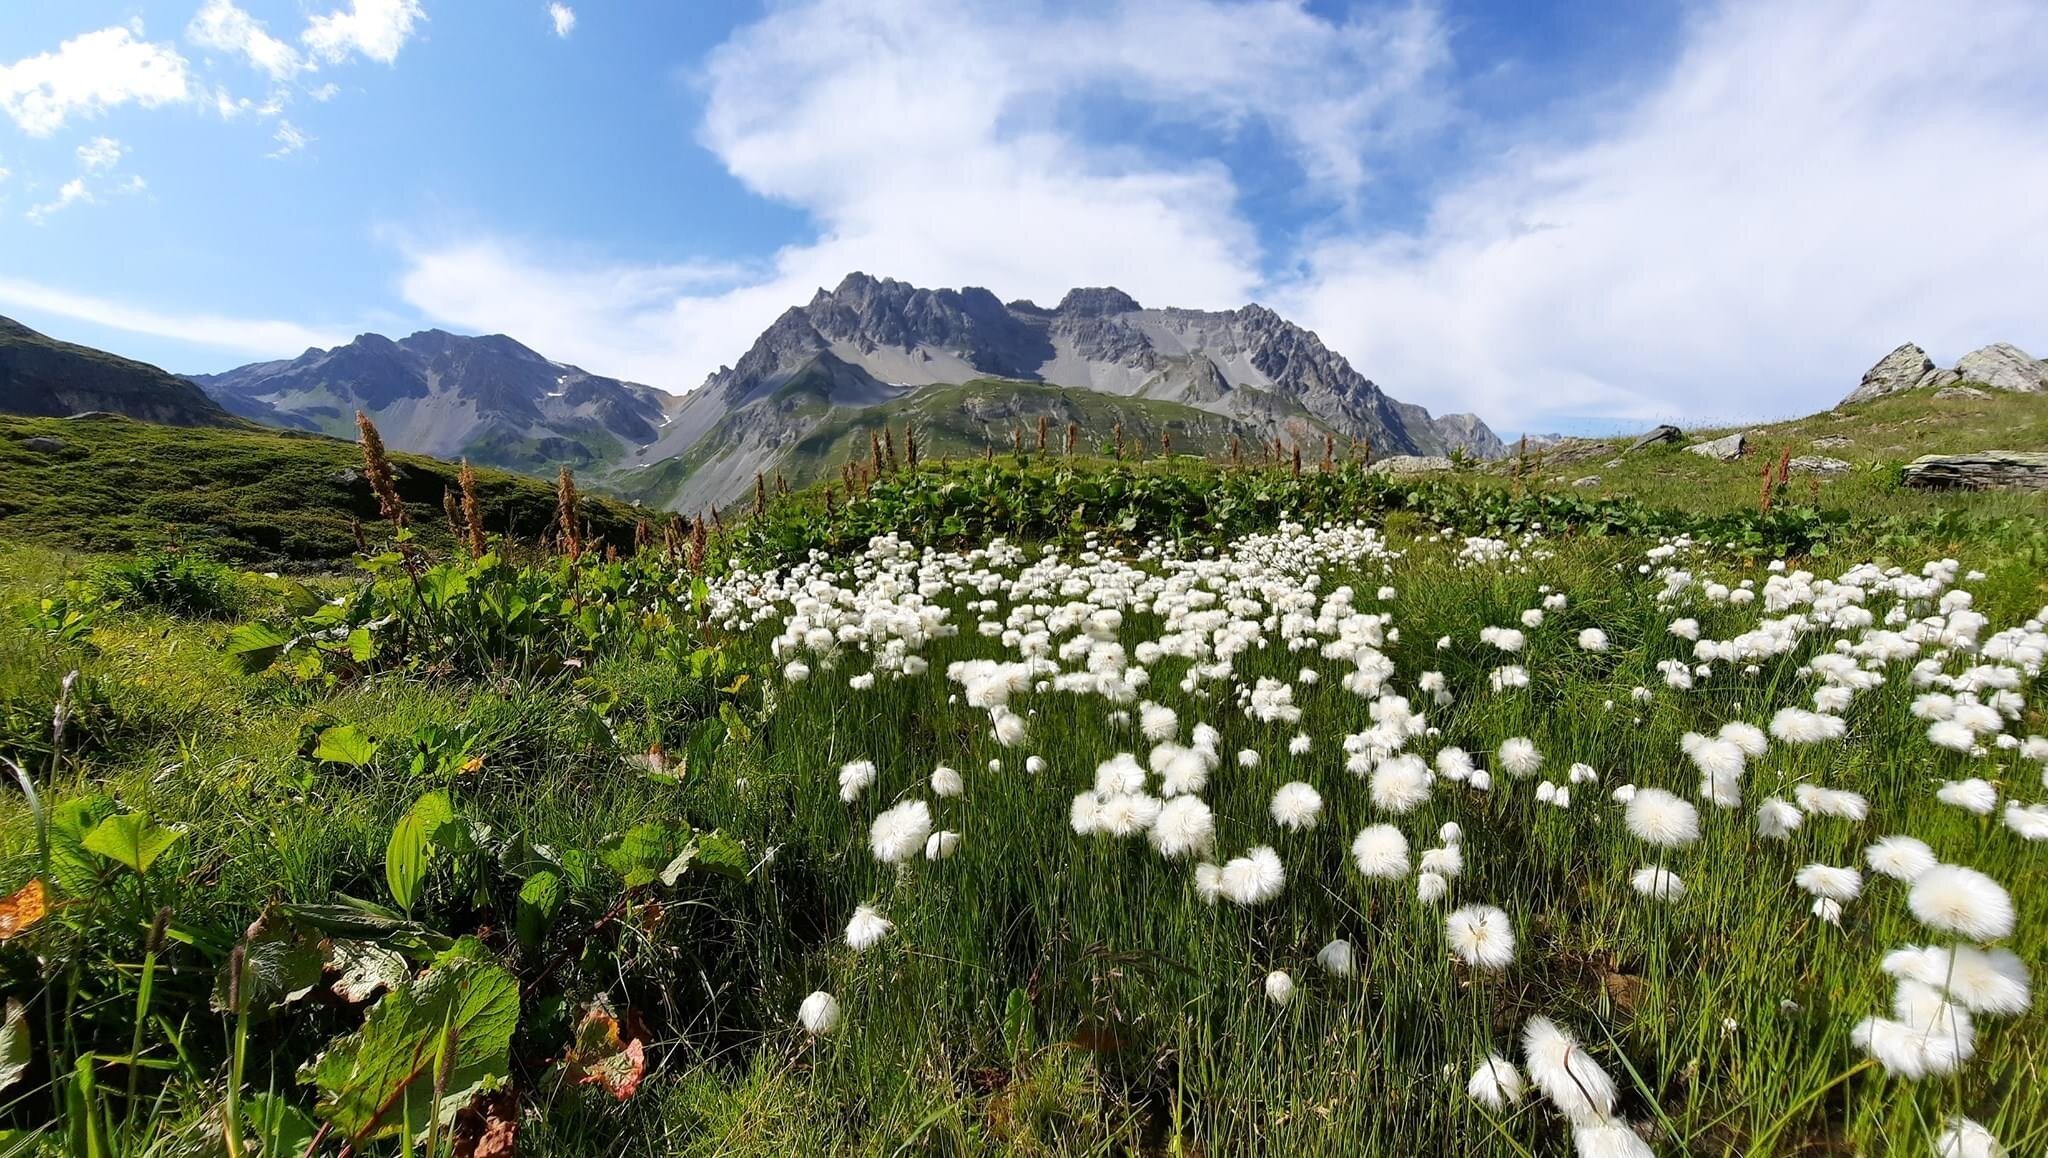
[(376, 29), (100, 154), (563, 17), (221, 26), (933, 142), (1808, 186), (90, 74)]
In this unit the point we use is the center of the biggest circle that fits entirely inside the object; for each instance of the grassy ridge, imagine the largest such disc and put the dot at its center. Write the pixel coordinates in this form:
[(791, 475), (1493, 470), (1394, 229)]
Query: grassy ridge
[(251, 495)]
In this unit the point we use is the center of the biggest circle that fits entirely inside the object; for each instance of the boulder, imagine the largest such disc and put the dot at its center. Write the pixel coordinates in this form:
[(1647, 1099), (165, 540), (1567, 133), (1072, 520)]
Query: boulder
[(1832, 442), (1591, 480), (1818, 464), (1905, 368), (1981, 470), (1412, 463), (1958, 393), (2004, 367), (1727, 448), (1661, 436), (43, 445)]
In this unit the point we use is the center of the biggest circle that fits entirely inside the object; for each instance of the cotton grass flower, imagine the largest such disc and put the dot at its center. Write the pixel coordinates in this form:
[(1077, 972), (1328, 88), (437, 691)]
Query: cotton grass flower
[(1400, 784), (1431, 887), (1246, 758), (1799, 726), (1963, 901), (1337, 959), (1613, 1138), (1279, 987), (1447, 861), (2028, 821), (1254, 878), (1818, 801), (1296, 806), (899, 833), (819, 1013), (1974, 795), (1988, 981), (1184, 827), (946, 782), (1518, 756), (1657, 817), (1380, 851), (854, 778), (1593, 639), (867, 928), (1481, 936), (941, 845), (1841, 885), (1658, 883), (1963, 1138), (1776, 819), (1566, 1074), (1901, 858), (1495, 1084)]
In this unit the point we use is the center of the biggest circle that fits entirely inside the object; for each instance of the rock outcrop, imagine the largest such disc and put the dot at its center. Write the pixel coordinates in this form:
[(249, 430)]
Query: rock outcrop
[(1999, 366), (1726, 448), (1982, 470), (2004, 367)]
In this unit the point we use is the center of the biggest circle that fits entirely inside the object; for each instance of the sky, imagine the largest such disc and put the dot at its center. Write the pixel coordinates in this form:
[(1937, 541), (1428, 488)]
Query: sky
[(1559, 216)]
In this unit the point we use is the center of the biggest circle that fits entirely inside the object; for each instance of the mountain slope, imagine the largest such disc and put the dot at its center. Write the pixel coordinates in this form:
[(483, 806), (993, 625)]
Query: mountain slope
[(487, 398), (871, 341), (44, 377)]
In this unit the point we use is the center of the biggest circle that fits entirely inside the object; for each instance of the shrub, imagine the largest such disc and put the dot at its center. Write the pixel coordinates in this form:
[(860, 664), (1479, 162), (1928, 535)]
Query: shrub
[(180, 582)]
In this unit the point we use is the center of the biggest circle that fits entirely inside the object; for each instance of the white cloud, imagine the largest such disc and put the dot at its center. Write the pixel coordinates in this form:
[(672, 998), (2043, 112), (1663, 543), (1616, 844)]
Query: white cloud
[(290, 139), (376, 29), (564, 18), (100, 154), (243, 335), (222, 27), (90, 74), (1809, 186), (930, 141), (73, 192)]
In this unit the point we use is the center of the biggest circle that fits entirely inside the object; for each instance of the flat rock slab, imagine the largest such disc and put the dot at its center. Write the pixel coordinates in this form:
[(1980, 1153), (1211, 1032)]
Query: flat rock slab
[(1982, 470), (1412, 463), (1724, 449), (1818, 464), (1591, 480), (1951, 393), (1657, 437), (1833, 442), (42, 445)]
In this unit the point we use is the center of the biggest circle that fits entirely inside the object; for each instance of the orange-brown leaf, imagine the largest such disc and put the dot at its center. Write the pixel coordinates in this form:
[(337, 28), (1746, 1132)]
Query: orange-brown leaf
[(23, 908), (604, 1056)]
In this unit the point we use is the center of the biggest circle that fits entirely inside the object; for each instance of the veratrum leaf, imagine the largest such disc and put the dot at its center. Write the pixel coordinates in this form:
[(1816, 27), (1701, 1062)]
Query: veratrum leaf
[(132, 839), (365, 968), (539, 897), (345, 744), (255, 646), (412, 846), (375, 1081)]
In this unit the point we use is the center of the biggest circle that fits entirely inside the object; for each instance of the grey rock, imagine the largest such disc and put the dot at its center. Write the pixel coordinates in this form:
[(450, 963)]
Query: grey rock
[(1591, 480), (2004, 367), (43, 445), (1724, 449), (1833, 442), (1902, 369), (1411, 463), (1958, 393), (346, 475), (1658, 437), (1818, 464), (1612, 463), (1982, 470)]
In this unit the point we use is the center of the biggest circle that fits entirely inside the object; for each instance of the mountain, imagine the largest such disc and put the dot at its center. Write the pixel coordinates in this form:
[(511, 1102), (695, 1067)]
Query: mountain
[(44, 377), (873, 342), (1995, 367), (486, 398)]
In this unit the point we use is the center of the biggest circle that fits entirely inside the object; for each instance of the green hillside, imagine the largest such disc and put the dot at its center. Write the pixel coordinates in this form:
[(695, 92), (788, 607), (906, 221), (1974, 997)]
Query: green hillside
[(246, 494)]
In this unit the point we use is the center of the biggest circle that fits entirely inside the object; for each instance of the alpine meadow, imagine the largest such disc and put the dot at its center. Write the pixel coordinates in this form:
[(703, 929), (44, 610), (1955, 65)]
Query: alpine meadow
[(716, 680)]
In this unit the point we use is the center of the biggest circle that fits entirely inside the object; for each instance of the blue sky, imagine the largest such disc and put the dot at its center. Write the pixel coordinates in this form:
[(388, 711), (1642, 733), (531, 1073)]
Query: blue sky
[(1556, 215)]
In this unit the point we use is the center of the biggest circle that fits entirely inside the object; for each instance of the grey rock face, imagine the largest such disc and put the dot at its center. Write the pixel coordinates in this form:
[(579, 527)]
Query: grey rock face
[(1657, 437), (2004, 367), (1412, 464), (1958, 393), (1818, 464), (1727, 448), (883, 338), (1902, 369), (1982, 470)]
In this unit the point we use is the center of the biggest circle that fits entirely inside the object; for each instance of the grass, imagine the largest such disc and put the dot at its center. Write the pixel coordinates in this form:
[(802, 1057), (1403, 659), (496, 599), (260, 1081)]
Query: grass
[(244, 494), (1042, 993)]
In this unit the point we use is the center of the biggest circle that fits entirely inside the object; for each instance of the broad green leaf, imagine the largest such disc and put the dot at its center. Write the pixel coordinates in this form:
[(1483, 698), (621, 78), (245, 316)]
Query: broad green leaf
[(411, 847), (256, 646), (132, 839), (365, 968), (539, 897), (345, 744), (452, 1025), (640, 854), (722, 854), (72, 867), (16, 1051), (360, 646)]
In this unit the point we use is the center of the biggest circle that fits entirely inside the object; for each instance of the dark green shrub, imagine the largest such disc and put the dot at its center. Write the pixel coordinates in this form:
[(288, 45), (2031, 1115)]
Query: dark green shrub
[(180, 582)]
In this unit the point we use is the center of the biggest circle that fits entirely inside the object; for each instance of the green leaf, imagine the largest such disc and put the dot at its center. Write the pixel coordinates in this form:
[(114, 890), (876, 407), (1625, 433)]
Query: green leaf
[(345, 744), (640, 854), (365, 968), (281, 1129), (15, 1048), (360, 645), (73, 868), (722, 854), (539, 897), (411, 847), (132, 839), (452, 1025), (256, 646)]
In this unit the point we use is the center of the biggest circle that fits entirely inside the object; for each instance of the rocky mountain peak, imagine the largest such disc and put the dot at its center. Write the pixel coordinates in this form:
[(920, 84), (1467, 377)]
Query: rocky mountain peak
[(1096, 301)]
